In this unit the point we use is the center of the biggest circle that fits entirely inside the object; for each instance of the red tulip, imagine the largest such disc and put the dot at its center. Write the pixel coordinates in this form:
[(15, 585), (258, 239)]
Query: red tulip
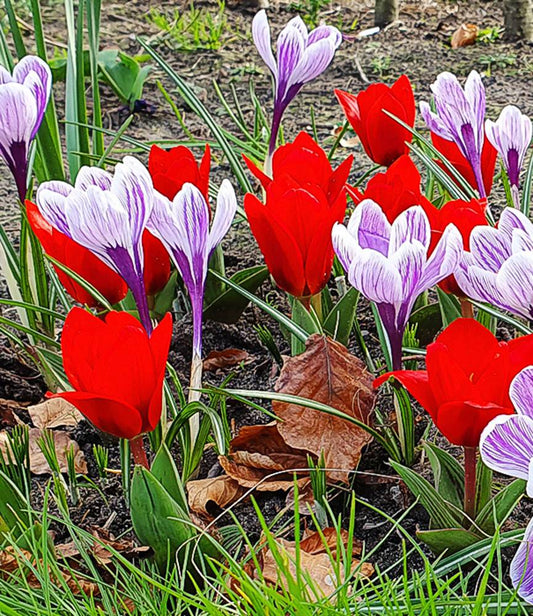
[(116, 370), (304, 198), (465, 215), (77, 258), (467, 380), (451, 152), (395, 190), (171, 169), (383, 139)]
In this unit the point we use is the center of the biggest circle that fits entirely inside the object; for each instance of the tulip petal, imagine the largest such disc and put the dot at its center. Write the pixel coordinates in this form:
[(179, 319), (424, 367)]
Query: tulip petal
[(506, 446), (108, 415), (417, 384), (462, 422)]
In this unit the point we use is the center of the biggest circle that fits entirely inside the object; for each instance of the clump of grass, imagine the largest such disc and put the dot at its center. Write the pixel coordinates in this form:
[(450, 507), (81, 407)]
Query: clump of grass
[(192, 29)]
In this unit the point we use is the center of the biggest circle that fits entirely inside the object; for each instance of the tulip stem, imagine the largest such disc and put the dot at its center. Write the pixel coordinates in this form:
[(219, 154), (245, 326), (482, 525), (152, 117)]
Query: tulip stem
[(467, 309), (470, 482), (316, 303), (138, 451)]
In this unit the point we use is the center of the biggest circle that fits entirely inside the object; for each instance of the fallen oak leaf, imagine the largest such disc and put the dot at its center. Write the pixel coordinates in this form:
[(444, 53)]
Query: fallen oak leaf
[(326, 372), (220, 360), (53, 413), (221, 490), (8, 416)]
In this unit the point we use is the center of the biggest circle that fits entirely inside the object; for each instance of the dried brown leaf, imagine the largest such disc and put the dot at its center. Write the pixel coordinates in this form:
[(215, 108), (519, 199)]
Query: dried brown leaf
[(328, 373), (53, 413), (222, 491), (259, 451), (8, 409), (220, 360), (465, 34), (38, 463), (313, 559)]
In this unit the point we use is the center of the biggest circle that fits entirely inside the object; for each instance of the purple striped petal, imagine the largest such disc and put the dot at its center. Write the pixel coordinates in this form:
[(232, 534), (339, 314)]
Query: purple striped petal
[(515, 283), (521, 392), (370, 227), (18, 114), (134, 189), (444, 259), (290, 48), (512, 219), (316, 59), (480, 284), (376, 278), (262, 40), (344, 245), (521, 570), (325, 32), (93, 176), (51, 201), (5, 76), (511, 136), (506, 446), (410, 226), (225, 212), (522, 241), (409, 260), (434, 123), (35, 74), (489, 247)]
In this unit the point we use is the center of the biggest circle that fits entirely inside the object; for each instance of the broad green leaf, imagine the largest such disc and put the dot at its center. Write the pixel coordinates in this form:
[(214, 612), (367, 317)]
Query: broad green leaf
[(441, 513), (498, 509), (339, 322), (230, 304), (307, 321), (483, 484), (448, 539), (449, 307), (448, 474), (14, 514), (429, 321), (165, 471)]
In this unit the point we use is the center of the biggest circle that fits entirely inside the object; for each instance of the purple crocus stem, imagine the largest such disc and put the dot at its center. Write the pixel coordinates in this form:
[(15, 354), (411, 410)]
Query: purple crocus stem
[(394, 335), (276, 122)]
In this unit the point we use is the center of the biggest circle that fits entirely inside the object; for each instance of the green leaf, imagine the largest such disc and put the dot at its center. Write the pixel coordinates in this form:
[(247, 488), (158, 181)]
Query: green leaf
[(123, 74), (497, 509), (14, 514), (429, 321), (339, 322), (448, 474), (307, 321), (165, 471), (448, 539), (449, 307), (158, 520), (165, 298), (230, 304), (441, 513)]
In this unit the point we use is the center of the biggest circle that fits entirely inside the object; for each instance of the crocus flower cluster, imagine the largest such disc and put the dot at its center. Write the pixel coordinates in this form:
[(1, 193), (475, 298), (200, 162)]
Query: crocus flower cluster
[(382, 137), (390, 263), (301, 57), (24, 97), (303, 199), (506, 446)]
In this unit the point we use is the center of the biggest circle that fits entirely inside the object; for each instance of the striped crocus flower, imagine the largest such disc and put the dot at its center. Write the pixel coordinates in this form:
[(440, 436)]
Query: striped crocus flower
[(24, 96), (301, 57), (107, 214)]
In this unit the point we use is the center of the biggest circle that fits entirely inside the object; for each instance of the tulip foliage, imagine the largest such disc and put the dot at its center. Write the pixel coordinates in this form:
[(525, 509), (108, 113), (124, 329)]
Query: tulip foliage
[(111, 263)]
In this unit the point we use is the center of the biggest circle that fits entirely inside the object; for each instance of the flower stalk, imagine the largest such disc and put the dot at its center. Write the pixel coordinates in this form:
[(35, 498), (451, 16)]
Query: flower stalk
[(470, 482)]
